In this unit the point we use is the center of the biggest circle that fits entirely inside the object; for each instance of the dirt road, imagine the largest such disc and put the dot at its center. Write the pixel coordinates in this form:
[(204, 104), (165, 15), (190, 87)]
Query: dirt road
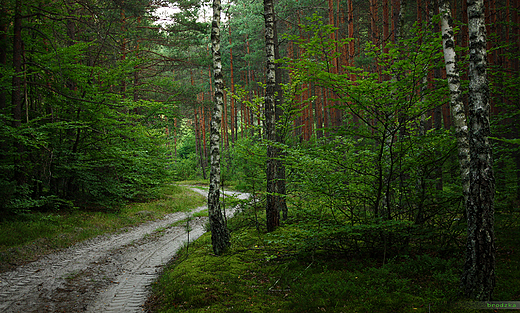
[(105, 274)]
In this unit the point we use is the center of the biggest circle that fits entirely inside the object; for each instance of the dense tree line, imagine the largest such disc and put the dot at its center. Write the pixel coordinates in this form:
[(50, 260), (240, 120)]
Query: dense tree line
[(86, 93)]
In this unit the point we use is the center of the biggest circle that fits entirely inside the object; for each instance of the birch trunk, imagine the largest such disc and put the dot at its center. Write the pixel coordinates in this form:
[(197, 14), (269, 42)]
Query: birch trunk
[(456, 104), (478, 278), (219, 233), (272, 214)]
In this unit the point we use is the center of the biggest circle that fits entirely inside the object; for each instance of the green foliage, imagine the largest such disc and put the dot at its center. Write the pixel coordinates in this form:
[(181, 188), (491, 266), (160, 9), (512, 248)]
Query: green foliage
[(371, 186), (186, 168), (88, 137), (186, 165), (505, 99)]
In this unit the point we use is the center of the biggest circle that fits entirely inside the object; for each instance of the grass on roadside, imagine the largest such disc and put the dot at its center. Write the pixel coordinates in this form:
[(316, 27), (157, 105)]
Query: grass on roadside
[(31, 235), (258, 275)]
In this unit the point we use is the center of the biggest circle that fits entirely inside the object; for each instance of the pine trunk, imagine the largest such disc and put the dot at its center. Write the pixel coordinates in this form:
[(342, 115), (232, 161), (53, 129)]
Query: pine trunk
[(232, 82), (3, 62), (16, 98)]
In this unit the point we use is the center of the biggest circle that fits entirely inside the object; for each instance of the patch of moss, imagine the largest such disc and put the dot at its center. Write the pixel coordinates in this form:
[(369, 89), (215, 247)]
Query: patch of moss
[(262, 273)]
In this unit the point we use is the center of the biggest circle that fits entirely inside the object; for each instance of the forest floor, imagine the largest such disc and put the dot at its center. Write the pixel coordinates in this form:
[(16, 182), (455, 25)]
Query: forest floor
[(109, 273), (260, 274)]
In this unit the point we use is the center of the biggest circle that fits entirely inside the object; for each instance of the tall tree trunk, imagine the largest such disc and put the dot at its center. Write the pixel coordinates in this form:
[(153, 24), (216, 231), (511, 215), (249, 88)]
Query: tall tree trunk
[(433, 7), (3, 60), (456, 104), (272, 213), (123, 50), (224, 123), (219, 233), (280, 137), (16, 98), (334, 69), (374, 34), (318, 111), (478, 278), (232, 81), (175, 137), (198, 145), (203, 127), (386, 30), (198, 140)]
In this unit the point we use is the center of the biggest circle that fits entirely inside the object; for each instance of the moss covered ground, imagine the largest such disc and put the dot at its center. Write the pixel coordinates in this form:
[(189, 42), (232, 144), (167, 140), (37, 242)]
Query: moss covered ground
[(259, 274)]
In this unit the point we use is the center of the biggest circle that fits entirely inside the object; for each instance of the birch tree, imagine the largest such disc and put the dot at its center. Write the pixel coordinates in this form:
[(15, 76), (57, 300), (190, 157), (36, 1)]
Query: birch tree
[(478, 278), (456, 106), (219, 232), (272, 214)]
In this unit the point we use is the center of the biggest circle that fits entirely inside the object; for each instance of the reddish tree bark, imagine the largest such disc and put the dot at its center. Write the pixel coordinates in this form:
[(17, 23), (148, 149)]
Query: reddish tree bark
[(198, 145), (16, 95), (232, 77), (224, 121), (3, 57), (351, 35), (386, 30), (318, 111)]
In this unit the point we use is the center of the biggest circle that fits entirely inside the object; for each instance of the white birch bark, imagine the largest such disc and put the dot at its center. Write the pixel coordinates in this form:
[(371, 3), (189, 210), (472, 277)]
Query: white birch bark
[(272, 214), (219, 232), (478, 278), (456, 105)]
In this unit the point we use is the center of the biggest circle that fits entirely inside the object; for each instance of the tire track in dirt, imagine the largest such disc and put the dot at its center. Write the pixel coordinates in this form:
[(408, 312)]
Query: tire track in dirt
[(105, 274)]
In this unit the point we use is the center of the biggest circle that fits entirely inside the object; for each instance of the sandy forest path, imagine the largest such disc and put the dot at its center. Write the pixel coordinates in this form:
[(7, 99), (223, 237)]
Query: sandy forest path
[(106, 274)]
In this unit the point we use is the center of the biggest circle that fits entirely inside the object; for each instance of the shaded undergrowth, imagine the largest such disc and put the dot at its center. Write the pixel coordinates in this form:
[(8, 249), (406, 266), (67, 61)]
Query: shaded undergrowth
[(259, 274)]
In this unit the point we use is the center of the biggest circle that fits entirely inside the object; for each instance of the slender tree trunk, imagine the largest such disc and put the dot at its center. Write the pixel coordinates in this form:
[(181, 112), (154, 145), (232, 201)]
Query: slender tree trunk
[(198, 145), (204, 128), (219, 233), (374, 34), (175, 137), (478, 278), (224, 122), (351, 48), (318, 111), (123, 50), (386, 28), (198, 140), (272, 213), (280, 137), (16, 98), (334, 69), (456, 105), (3, 60), (233, 112)]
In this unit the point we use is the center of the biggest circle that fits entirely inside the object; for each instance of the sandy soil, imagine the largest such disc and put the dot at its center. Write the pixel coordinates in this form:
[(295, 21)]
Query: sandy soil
[(106, 274)]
